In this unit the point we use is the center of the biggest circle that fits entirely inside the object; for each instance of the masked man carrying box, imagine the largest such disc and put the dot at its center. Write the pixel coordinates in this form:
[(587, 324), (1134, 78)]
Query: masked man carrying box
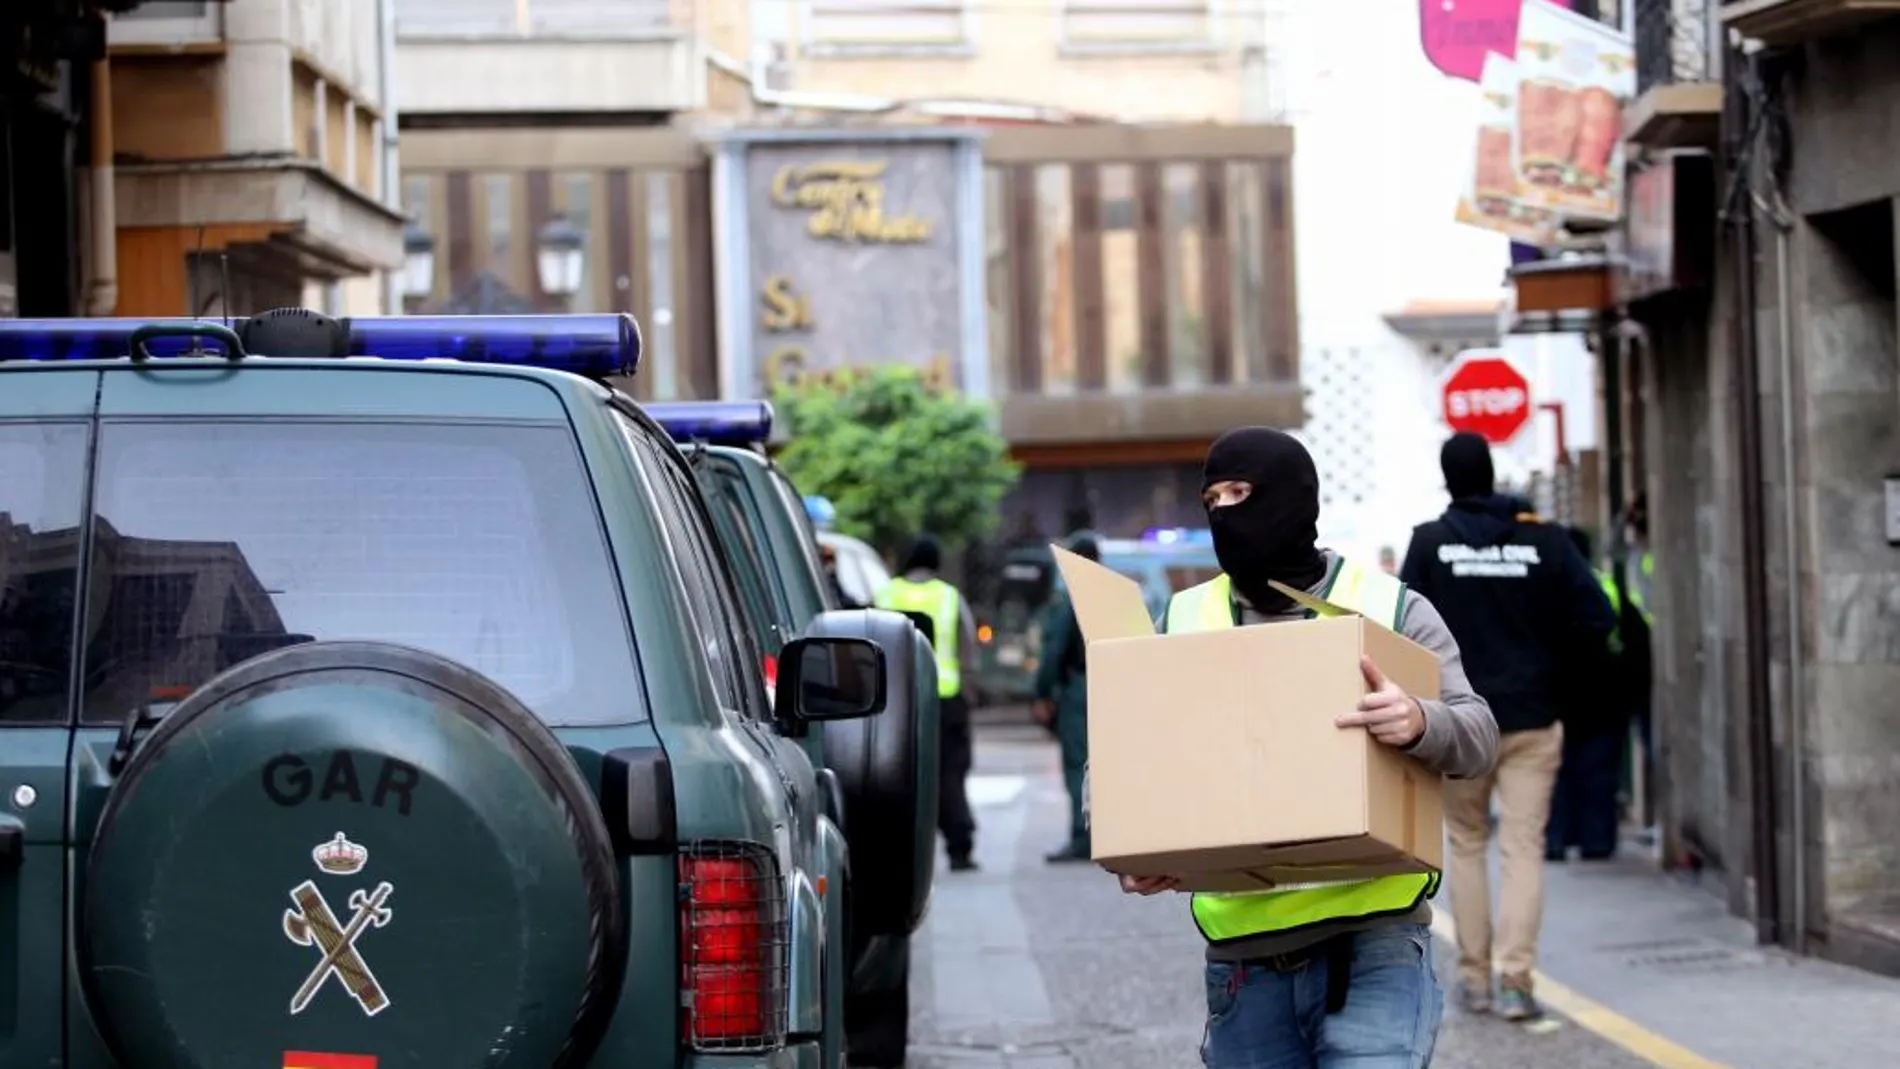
[(1321, 974)]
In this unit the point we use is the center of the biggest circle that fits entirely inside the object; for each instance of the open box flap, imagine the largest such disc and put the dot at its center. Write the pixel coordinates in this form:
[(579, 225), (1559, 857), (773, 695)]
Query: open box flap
[(1108, 604), (1318, 606)]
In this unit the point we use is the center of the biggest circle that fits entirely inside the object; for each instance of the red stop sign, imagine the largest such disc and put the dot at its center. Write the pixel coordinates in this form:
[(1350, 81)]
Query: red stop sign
[(1487, 396)]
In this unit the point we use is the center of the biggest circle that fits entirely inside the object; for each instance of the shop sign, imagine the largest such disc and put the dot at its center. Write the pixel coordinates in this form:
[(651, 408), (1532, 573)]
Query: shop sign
[(854, 259)]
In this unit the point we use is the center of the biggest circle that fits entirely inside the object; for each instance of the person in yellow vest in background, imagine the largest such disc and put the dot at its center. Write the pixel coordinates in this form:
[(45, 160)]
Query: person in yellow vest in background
[(1596, 701), (917, 589), (1320, 975)]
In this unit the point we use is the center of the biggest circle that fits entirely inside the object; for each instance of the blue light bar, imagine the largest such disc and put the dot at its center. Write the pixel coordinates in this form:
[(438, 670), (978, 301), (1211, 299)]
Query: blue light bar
[(93, 339), (592, 345), (740, 423)]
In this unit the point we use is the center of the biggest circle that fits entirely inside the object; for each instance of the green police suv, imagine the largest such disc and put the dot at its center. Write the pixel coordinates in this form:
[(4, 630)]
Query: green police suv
[(885, 766), (386, 702)]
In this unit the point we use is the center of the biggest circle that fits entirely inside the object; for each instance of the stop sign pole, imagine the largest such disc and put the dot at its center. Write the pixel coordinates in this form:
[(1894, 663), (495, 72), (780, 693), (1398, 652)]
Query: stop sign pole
[(1485, 394)]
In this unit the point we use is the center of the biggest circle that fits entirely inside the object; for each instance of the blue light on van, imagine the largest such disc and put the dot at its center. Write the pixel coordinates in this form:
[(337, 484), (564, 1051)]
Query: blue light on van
[(1178, 536), (822, 512), (592, 345), (714, 422)]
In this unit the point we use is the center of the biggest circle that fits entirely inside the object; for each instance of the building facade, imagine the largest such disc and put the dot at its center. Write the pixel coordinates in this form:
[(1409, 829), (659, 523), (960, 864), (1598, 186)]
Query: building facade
[(1765, 382), (576, 114), (1137, 206), (250, 147), (1159, 61), (50, 54), (1134, 264)]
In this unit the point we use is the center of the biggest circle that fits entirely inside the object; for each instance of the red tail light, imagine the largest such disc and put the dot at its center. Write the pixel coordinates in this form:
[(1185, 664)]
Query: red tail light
[(771, 670), (733, 936)]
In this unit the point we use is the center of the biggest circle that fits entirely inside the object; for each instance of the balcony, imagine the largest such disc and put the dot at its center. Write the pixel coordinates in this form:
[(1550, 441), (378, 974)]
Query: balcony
[(488, 59), (1791, 22), (1679, 91)]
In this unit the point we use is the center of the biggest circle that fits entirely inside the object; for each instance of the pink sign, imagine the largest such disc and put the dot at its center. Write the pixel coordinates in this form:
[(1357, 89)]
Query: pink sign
[(1457, 33)]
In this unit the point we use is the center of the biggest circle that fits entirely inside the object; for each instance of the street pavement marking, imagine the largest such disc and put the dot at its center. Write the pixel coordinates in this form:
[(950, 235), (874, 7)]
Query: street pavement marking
[(1593, 1016)]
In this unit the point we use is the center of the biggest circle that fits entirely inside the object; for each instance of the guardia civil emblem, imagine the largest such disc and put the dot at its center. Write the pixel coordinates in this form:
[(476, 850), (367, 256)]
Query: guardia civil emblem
[(310, 922)]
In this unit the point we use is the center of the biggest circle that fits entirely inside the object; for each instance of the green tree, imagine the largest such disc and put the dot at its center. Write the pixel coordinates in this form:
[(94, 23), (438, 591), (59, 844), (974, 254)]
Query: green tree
[(896, 458)]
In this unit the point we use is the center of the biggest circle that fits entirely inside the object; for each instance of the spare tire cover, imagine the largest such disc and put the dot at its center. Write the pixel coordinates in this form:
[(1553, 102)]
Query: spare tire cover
[(346, 851)]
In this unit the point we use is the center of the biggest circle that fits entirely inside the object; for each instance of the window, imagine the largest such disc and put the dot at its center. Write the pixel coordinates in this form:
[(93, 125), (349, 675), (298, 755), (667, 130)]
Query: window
[(457, 18), (42, 480), (498, 211), (887, 25), (1136, 24), (577, 200), (725, 500), (218, 541), (168, 9), (173, 22), (710, 596), (807, 536), (591, 18)]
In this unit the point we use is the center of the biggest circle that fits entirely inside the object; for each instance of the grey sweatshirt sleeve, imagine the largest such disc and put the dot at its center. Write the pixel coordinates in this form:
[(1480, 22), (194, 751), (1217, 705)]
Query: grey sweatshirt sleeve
[(1461, 735)]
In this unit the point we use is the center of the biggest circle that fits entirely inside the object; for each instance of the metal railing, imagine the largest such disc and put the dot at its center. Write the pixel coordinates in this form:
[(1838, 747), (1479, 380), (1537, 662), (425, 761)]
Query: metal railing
[(1673, 42)]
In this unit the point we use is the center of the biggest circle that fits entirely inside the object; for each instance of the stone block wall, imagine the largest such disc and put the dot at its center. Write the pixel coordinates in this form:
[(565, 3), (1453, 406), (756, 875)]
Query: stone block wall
[(1842, 412)]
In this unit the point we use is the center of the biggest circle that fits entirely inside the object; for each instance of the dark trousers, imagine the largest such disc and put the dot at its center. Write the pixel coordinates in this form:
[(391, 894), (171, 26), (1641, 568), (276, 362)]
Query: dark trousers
[(1072, 731), (1583, 802), (954, 819)]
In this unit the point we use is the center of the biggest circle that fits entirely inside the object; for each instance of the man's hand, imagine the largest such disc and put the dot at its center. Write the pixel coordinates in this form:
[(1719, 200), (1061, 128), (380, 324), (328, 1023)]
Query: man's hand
[(1148, 885), (1392, 716), (1044, 711)]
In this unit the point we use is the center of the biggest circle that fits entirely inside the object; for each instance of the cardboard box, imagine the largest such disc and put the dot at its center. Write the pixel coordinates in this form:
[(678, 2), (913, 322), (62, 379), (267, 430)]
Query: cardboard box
[(1213, 756)]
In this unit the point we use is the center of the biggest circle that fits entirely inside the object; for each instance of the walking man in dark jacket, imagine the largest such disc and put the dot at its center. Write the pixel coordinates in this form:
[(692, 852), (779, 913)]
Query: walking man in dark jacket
[(1062, 702), (1517, 597)]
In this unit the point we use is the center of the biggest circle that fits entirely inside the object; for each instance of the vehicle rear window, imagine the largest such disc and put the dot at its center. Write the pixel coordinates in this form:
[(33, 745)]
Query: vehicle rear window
[(801, 522), (219, 541), (724, 493), (42, 487)]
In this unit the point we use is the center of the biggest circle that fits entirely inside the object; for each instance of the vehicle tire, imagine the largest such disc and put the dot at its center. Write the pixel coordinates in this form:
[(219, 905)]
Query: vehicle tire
[(351, 847), (887, 767)]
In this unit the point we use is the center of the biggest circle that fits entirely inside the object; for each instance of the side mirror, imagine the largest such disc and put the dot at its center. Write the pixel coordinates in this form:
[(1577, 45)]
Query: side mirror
[(822, 679)]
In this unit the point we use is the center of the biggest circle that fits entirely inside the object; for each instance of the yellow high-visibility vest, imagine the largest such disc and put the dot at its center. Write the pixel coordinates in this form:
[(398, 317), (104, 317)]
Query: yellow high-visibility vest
[(941, 602), (1224, 918)]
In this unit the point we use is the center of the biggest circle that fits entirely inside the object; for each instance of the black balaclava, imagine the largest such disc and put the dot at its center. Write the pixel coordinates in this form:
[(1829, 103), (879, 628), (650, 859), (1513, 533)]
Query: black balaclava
[(923, 552), (1084, 545), (1274, 534), (1466, 461)]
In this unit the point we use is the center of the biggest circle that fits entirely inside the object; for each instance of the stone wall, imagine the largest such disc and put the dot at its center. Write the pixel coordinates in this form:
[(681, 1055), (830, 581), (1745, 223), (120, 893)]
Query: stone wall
[(1844, 373)]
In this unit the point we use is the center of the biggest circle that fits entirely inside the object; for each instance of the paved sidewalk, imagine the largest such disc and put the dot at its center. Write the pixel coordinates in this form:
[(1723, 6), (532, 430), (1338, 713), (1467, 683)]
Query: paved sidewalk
[(1665, 953)]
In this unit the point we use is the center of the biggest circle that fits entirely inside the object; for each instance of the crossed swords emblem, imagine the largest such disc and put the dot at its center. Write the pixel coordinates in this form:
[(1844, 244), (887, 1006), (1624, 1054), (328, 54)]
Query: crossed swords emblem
[(312, 924)]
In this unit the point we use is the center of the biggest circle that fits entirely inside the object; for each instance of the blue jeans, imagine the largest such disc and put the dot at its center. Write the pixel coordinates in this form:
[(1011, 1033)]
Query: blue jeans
[(1260, 1018)]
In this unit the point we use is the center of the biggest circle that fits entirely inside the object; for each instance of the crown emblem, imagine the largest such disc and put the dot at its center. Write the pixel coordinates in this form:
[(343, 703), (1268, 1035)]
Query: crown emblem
[(340, 857)]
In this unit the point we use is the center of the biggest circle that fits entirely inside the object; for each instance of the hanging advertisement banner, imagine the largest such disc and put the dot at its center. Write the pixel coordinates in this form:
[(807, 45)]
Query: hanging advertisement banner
[(1493, 196), (1458, 34), (1575, 76)]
